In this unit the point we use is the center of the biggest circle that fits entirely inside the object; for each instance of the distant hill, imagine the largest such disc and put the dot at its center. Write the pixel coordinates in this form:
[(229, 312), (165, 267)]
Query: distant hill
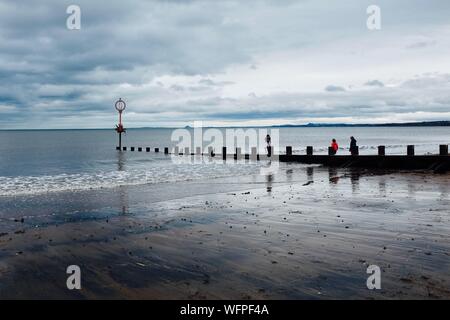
[(407, 124), (309, 125)]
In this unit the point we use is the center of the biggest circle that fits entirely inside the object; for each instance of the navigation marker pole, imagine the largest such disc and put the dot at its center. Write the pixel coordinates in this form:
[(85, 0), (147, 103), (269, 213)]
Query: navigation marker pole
[(120, 107)]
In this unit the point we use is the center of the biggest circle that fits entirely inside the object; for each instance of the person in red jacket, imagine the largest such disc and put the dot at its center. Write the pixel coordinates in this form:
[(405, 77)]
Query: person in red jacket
[(334, 146)]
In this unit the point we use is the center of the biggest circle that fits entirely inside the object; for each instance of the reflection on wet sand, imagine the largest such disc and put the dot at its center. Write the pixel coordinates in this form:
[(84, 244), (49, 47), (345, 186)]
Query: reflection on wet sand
[(310, 173), (121, 161), (355, 174), (444, 189), (412, 188), (382, 186), (269, 181), (289, 174), (123, 192), (123, 198), (333, 178)]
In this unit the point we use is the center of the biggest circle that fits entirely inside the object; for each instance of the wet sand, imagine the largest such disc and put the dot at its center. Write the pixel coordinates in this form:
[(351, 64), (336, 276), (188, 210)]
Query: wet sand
[(303, 233)]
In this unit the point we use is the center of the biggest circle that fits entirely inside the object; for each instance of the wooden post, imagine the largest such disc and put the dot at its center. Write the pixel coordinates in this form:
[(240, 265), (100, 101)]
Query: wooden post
[(117, 148), (443, 150), (132, 148), (410, 150), (309, 151), (157, 150), (254, 155), (381, 150), (140, 149), (166, 150), (147, 149), (330, 151), (237, 154), (289, 151), (124, 148), (224, 153)]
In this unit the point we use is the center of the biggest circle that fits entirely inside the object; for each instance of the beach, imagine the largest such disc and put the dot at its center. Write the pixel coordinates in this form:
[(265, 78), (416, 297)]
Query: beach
[(304, 232), (246, 158)]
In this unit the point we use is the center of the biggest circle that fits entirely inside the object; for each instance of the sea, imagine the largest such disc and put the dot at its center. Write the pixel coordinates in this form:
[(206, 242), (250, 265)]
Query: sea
[(33, 162)]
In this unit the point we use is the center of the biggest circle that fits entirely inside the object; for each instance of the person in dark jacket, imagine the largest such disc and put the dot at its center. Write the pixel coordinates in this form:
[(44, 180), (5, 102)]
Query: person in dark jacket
[(353, 146), (269, 147)]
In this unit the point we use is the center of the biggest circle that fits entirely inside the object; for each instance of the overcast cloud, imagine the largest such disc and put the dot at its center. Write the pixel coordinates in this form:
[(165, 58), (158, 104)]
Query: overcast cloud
[(224, 62)]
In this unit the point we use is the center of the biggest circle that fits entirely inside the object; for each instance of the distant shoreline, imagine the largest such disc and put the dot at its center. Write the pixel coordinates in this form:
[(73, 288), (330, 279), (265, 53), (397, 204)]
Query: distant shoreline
[(309, 125)]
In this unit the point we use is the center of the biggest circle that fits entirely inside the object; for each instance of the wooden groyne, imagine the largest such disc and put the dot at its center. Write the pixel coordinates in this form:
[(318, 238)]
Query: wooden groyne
[(398, 162), (438, 163)]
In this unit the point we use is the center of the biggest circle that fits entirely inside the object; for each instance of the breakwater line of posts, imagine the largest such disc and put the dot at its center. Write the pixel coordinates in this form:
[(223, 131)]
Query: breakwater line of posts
[(439, 162)]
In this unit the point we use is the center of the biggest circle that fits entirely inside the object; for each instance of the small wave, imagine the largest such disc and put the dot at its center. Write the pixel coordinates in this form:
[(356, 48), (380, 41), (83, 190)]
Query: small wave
[(32, 185)]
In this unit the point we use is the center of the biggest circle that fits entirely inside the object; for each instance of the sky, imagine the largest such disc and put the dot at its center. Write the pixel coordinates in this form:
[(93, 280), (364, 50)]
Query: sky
[(249, 63)]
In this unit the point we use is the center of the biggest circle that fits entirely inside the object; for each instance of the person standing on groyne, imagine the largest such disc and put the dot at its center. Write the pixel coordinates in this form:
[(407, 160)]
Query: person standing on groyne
[(353, 146), (334, 147), (269, 146)]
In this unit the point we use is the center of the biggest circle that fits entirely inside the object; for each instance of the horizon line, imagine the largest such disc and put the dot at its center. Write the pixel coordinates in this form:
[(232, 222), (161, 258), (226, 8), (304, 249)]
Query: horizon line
[(435, 123)]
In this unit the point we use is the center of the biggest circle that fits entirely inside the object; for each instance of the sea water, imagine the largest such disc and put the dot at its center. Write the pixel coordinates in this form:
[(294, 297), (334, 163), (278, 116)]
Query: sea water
[(46, 161)]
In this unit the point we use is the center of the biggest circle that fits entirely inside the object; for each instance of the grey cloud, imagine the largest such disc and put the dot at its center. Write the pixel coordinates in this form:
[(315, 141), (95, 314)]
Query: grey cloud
[(421, 44), (428, 82), (374, 83), (333, 88), (381, 101), (209, 82), (176, 87), (48, 72)]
